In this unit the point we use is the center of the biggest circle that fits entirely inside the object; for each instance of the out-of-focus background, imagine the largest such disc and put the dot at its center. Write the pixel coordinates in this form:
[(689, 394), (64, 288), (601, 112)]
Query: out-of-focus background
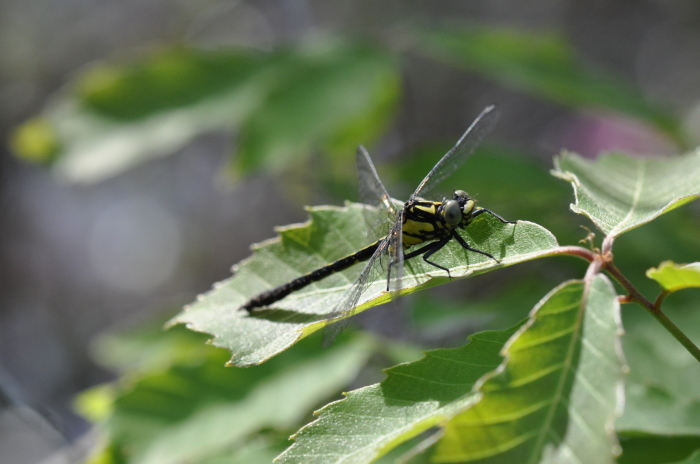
[(139, 214)]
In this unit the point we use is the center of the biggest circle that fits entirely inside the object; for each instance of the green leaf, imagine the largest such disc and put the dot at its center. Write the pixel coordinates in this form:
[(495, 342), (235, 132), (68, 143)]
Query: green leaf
[(415, 397), (644, 448), (618, 192), (261, 450), (149, 348), (331, 234), (660, 394), (340, 96), (693, 459), (545, 65), (167, 80), (35, 141), (115, 117), (287, 102), (96, 403), (556, 396), (673, 277), (191, 412)]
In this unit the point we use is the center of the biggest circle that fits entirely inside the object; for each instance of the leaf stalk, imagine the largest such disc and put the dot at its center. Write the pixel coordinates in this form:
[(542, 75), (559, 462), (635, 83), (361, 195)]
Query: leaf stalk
[(604, 261), (653, 308)]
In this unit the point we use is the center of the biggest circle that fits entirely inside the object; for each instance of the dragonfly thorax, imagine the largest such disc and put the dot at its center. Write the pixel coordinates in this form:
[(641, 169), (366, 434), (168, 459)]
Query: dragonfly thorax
[(425, 220)]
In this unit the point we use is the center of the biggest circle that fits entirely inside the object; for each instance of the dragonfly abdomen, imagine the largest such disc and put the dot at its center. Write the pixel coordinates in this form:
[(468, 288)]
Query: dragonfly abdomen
[(277, 293)]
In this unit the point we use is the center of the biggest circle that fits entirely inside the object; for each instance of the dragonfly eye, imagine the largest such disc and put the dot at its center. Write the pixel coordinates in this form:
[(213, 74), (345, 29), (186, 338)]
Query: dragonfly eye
[(452, 213), (459, 194)]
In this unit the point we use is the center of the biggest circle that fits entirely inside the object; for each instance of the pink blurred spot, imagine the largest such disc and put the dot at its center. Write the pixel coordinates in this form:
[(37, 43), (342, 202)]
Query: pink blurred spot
[(590, 133)]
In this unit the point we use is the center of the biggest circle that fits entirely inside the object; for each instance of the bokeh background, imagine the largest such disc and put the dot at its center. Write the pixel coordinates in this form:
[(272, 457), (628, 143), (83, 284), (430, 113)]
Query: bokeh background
[(81, 252)]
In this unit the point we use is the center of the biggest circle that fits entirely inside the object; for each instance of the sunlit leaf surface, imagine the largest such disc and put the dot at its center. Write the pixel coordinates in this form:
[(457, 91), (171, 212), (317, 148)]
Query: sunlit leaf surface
[(331, 234), (414, 397), (618, 192), (558, 393)]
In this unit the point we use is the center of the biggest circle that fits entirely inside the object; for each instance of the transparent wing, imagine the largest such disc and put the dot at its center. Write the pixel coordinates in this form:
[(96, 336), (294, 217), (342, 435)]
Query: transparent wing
[(466, 145), (347, 306), (373, 193), (395, 252), (371, 189)]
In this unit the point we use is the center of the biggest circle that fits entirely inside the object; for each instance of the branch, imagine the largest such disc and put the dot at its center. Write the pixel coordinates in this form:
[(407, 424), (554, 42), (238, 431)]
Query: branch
[(578, 251), (603, 261), (653, 308)]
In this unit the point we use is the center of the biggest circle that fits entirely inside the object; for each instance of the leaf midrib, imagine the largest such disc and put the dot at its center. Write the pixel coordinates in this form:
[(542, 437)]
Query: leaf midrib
[(546, 426), (641, 170)]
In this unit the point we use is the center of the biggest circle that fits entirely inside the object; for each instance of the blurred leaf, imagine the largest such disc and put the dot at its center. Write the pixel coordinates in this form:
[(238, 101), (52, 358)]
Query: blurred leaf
[(288, 102), (656, 449), (262, 450), (557, 394), (543, 64), (508, 303), (331, 234), (191, 412), (96, 403), (108, 125), (35, 141), (415, 397), (673, 277), (661, 397), (340, 96), (149, 348), (618, 192), (166, 81), (105, 455), (693, 459)]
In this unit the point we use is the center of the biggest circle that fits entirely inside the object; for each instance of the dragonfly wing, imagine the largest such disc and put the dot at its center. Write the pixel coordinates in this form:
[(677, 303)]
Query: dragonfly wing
[(371, 189), (395, 252), (466, 145), (372, 192), (347, 305)]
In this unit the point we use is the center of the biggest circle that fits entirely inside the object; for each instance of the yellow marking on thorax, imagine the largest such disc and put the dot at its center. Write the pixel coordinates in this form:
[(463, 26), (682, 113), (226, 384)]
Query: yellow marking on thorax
[(417, 231), (428, 209), (409, 241), (417, 227)]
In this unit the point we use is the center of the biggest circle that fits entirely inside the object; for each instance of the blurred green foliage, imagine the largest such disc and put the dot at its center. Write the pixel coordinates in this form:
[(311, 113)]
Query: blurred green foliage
[(545, 65), (167, 80), (314, 102), (285, 104), (194, 408)]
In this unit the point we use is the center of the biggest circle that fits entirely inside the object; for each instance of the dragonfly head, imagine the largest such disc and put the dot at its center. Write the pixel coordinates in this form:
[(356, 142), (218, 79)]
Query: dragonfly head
[(455, 209)]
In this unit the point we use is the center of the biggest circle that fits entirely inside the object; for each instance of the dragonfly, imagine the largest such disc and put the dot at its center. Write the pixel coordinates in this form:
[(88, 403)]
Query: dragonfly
[(430, 225)]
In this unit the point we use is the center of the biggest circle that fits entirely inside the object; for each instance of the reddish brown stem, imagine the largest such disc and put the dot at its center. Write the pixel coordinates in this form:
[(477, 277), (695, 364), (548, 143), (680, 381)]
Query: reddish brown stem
[(603, 261)]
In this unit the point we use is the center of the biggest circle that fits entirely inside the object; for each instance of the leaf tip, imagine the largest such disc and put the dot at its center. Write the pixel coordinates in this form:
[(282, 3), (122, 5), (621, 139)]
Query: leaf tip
[(35, 141)]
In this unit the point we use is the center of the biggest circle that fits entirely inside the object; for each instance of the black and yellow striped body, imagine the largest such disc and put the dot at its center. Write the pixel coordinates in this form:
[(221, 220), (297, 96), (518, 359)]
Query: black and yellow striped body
[(277, 293), (423, 221)]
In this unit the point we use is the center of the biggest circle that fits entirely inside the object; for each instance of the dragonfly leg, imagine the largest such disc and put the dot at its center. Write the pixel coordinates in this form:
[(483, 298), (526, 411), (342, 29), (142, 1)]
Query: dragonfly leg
[(430, 249), (484, 210), (466, 246), (427, 250)]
